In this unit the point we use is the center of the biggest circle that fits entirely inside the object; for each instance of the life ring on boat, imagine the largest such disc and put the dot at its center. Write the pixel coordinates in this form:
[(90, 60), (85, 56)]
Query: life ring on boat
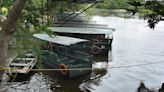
[(95, 49), (64, 69), (98, 38)]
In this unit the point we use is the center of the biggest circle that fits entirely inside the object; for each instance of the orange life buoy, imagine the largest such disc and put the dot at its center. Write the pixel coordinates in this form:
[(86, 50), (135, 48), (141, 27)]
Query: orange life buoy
[(64, 69), (95, 49)]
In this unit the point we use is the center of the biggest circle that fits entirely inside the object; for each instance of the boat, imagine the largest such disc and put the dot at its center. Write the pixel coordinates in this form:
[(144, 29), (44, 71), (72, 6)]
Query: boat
[(78, 24), (68, 54), (21, 64), (101, 38)]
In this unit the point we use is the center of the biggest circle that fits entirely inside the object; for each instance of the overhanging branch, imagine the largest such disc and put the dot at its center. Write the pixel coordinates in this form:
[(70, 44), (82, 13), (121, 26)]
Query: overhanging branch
[(10, 24)]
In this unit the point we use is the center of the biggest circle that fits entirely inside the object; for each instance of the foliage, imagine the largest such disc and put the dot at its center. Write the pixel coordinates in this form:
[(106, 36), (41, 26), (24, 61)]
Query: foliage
[(35, 18), (31, 21), (5, 3), (153, 10), (113, 4)]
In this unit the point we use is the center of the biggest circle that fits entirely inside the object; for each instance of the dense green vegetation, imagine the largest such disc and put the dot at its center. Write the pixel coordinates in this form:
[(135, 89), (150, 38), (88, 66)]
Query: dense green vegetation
[(115, 4), (153, 10), (36, 16)]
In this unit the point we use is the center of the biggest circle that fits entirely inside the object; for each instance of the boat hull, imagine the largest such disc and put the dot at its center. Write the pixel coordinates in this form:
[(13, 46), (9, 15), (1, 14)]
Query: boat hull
[(71, 73), (74, 67), (105, 45)]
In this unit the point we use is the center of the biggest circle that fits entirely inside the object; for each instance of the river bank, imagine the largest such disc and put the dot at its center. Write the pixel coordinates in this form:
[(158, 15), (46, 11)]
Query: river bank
[(114, 12)]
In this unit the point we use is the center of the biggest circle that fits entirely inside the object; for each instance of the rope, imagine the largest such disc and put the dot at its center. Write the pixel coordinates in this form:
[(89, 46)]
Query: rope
[(75, 69), (138, 64)]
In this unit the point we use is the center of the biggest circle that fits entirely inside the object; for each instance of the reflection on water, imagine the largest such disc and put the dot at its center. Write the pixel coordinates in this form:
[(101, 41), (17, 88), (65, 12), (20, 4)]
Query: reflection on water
[(134, 43), (55, 82), (37, 83)]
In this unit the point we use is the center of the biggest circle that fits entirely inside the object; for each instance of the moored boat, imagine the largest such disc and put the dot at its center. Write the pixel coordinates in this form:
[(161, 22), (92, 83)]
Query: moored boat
[(101, 38), (68, 55), (21, 64)]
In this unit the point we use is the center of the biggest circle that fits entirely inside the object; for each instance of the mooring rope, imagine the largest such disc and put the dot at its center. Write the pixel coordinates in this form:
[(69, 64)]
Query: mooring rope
[(144, 64), (74, 69)]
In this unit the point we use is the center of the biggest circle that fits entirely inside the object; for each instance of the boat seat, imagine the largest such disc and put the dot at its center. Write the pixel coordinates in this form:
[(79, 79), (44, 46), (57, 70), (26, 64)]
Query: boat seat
[(24, 70), (25, 59), (18, 64)]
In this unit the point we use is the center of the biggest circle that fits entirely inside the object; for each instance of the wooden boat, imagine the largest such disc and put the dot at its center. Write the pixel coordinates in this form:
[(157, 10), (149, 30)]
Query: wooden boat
[(22, 64), (68, 54)]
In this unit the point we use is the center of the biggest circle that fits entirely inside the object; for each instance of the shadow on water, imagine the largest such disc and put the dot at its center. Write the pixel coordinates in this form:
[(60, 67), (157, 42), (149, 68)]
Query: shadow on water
[(21, 77)]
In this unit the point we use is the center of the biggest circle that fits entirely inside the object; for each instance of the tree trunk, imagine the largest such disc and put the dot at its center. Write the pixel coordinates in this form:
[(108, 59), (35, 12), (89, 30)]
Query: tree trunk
[(3, 52), (7, 29)]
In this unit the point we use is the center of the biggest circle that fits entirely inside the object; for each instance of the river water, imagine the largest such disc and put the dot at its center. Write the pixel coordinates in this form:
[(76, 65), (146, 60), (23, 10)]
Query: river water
[(137, 55), (134, 44)]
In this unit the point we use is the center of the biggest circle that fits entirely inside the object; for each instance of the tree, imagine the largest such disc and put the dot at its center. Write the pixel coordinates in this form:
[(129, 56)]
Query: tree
[(153, 10), (113, 4), (33, 10), (8, 28)]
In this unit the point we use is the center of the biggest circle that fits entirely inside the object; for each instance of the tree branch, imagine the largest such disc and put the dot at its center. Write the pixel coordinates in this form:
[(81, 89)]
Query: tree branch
[(10, 24)]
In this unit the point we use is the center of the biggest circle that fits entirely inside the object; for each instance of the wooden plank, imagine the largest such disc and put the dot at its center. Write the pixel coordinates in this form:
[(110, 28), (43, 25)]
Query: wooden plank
[(24, 59), (19, 64), (24, 70)]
